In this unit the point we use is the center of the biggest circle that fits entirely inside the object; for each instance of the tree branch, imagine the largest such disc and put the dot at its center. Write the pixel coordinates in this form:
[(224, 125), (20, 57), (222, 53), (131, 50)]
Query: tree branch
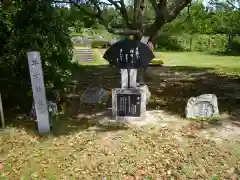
[(177, 8), (234, 6), (164, 14), (122, 9), (155, 6), (81, 8), (99, 15)]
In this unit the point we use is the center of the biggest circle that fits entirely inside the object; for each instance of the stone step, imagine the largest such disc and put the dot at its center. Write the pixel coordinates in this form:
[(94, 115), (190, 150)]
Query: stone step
[(83, 52), (85, 57)]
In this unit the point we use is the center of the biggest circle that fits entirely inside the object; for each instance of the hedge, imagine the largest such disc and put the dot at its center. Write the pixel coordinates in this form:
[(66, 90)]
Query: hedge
[(188, 42)]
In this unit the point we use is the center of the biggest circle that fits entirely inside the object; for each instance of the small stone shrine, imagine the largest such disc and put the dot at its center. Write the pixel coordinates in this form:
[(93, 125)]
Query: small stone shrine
[(52, 110), (129, 101), (203, 106)]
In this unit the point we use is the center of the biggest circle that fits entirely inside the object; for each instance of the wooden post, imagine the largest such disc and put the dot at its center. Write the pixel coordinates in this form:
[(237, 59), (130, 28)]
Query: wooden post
[(1, 112)]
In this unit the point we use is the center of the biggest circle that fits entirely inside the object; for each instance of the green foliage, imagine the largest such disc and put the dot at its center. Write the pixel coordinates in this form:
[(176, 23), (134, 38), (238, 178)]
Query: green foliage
[(157, 61), (182, 42), (209, 43), (235, 48), (164, 41), (34, 26), (199, 27)]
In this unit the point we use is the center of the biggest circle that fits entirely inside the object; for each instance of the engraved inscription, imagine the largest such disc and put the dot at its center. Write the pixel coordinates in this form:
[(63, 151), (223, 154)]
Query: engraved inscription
[(128, 105), (205, 105), (203, 109)]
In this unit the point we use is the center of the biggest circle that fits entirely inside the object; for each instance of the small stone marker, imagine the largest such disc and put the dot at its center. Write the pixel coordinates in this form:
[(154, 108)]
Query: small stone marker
[(38, 88), (94, 95), (203, 106), (52, 110)]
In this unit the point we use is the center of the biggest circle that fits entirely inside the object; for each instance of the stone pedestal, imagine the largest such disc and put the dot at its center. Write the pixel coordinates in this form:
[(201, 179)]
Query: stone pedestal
[(129, 104)]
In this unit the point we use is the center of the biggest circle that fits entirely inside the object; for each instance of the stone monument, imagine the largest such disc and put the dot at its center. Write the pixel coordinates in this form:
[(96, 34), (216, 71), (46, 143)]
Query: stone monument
[(203, 106), (38, 89), (94, 95), (129, 101)]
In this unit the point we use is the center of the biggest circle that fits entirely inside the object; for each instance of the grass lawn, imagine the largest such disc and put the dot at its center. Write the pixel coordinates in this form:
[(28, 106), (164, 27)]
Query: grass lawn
[(221, 64), (225, 64), (124, 152)]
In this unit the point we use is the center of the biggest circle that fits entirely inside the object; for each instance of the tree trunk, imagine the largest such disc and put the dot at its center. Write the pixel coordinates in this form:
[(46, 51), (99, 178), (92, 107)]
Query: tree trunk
[(230, 39), (152, 30), (191, 39)]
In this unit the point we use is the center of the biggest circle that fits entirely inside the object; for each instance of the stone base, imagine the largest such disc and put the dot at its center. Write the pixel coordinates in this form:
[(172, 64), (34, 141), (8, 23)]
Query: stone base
[(129, 104), (145, 88)]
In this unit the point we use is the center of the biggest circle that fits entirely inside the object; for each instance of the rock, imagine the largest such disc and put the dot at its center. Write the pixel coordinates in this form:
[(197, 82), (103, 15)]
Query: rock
[(203, 106), (162, 85), (94, 95)]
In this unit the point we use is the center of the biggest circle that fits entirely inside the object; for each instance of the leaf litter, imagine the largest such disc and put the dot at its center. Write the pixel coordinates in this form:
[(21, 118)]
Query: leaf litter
[(147, 152)]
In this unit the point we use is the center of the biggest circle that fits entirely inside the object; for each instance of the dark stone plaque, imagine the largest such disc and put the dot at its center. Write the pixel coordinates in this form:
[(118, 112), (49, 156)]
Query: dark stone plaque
[(129, 105)]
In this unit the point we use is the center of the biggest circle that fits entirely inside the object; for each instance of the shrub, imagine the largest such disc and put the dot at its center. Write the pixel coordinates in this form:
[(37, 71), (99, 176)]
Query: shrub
[(33, 32), (157, 61), (236, 46), (193, 42), (165, 41)]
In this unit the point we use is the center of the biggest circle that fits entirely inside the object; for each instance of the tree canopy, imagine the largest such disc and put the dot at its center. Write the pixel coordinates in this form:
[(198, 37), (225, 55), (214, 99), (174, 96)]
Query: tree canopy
[(132, 14), (32, 25)]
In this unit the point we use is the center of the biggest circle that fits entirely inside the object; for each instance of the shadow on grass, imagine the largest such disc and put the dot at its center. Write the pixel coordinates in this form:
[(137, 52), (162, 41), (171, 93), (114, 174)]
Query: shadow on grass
[(170, 87), (64, 125), (234, 53)]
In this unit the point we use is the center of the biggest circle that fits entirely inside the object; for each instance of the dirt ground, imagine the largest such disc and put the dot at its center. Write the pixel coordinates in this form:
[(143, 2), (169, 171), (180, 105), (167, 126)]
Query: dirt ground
[(85, 144), (170, 89)]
